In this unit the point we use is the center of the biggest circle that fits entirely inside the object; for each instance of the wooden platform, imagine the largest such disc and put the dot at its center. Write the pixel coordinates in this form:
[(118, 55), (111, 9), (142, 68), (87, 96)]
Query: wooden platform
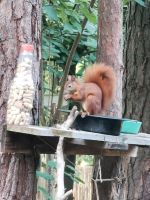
[(44, 140)]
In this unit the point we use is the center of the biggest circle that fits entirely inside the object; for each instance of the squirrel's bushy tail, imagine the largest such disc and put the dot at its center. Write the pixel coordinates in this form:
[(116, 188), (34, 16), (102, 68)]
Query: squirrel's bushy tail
[(104, 76)]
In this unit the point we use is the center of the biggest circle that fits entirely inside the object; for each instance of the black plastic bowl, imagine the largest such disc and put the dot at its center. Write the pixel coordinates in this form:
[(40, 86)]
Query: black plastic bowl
[(98, 124)]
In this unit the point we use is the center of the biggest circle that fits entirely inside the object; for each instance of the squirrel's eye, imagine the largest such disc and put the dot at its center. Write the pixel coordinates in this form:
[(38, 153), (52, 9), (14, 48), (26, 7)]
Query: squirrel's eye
[(69, 86)]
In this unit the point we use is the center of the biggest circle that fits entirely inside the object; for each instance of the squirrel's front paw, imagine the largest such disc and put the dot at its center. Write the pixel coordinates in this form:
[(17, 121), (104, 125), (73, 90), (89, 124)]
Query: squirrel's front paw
[(84, 114), (67, 96)]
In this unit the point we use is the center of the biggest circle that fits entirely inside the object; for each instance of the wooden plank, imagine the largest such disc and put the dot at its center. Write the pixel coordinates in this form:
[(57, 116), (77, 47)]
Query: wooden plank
[(95, 150), (26, 143), (141, 139), (112, 145)]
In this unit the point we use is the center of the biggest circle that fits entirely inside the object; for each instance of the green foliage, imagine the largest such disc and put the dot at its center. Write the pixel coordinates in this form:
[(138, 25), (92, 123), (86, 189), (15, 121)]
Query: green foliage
[(141, 2), (50, 12), (44, 175), (45, 193), (86, 159), (73, 174), (51, 164), (61, 21)]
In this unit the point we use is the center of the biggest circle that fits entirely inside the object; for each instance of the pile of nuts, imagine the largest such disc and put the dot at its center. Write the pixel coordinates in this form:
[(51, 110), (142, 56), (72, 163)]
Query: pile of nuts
[(21, 94)]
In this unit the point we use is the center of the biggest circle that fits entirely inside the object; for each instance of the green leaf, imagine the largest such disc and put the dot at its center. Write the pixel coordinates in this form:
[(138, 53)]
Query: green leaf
[(54, 52), (44, 175), (77, 26), (69, 175), (43, 165), (50, 11), (52, 164), (68, 27), (80, 70), (45, 52), (74, 178), (71, 168), (55, 72), (91, 43), (91, 28), (90, 16), (78, 180), (44, 192), (142, 3)]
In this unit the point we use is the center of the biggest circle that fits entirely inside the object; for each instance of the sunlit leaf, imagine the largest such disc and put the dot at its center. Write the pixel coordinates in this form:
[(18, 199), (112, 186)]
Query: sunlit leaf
[(68, 27), (71, 168), (90, 16), (52, 164), (44, 175), (50, 11), (142, 3)]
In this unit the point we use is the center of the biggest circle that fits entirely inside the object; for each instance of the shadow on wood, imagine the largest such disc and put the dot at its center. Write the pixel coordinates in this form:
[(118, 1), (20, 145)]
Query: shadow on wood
[(25, 139)]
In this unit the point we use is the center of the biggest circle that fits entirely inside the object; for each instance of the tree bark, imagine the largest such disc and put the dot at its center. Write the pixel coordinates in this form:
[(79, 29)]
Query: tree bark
[(110, 48), (136, 90), (17, 176), (19, 23), (110, 51)]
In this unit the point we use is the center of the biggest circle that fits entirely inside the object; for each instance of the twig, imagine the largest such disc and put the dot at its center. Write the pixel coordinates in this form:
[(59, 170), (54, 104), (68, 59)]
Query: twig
[(67, 194), (60, 169), (72, 116), (68, 63), (96, 188), (101, 180), (61, 195)]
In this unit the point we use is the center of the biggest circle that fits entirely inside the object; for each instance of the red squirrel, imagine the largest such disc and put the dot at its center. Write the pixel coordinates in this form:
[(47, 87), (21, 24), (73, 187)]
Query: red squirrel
[(95, 92)]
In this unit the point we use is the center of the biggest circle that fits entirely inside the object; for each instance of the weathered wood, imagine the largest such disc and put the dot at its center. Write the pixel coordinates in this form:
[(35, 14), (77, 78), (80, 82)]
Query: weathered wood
[(48, 145), (19, 23), (77, 149), (141, 139), (137, 94)]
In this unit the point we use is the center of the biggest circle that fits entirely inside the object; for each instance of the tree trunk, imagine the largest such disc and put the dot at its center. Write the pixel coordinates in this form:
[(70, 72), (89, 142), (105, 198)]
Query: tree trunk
[(110, 52), (137, 94), (110, 44), (19, 23), (17, 174)]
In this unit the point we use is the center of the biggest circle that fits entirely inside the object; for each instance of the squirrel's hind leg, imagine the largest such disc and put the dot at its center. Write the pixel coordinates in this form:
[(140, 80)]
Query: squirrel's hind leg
[(92, 105)]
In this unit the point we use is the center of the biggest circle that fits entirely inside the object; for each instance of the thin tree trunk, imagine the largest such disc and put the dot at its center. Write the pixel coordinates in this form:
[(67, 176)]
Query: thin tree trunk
[(110, 44), (110, 52), (19, 23), (137, 94)]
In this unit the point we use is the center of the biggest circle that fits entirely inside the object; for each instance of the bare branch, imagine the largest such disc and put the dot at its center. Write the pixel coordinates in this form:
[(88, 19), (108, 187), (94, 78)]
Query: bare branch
[(68, 63), (60, 157), (67, 194)]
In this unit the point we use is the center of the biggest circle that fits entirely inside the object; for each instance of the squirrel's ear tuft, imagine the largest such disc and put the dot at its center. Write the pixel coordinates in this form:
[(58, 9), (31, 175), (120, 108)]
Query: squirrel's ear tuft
[(71, 78)]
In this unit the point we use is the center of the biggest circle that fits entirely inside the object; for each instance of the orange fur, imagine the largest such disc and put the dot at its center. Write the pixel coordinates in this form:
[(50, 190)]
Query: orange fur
[(97, 90), (104, 76)]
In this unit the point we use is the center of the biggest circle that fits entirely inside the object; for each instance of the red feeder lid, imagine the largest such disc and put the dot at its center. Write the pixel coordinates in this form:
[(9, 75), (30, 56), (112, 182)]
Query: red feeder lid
[(26, 47)]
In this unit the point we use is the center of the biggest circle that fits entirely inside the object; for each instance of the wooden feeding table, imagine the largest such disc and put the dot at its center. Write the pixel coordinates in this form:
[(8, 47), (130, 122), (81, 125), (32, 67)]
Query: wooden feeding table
[(44, 140)]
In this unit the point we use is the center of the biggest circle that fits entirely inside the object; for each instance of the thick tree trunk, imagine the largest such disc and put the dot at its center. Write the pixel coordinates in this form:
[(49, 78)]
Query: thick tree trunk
[(17, 177), (137, 94), (19, 23), (110, 52)]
